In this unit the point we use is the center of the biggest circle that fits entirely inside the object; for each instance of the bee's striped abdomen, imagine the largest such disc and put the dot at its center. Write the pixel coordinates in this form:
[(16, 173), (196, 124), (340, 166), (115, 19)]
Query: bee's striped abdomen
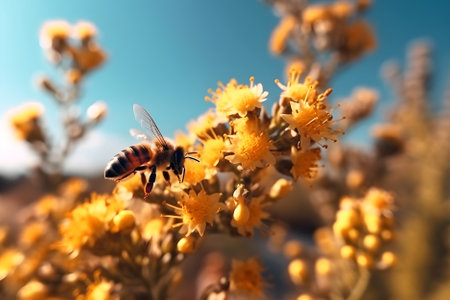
[(127, 160)]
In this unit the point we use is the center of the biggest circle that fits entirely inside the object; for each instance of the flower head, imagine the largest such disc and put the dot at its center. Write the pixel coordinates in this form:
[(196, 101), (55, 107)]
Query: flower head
[(236, 98), (253, 212), (52, 32), (296, 91), (84, 30), (25, 121), (305, 163), (197, 210), (250, 145), (246, 276), (281, 33), (311, 121), (88, 221)]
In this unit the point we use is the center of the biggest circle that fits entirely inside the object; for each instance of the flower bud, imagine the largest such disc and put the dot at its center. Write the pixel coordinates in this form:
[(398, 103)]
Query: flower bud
[(123, 220), (281, 188), (298, 271), (186, 244), (241, 213), (97, 111)]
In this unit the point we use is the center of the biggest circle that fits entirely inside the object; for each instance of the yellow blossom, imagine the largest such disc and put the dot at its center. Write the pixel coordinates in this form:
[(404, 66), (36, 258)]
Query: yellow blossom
[(9, 260), (256, 214), (100, 289), (314, 13), (124, 220), (89, 58), (195, 171), (250, 145), (212, 151), (323, 266), (84, 30), (127, 188), (87, 222), (246, 277), (281, 33), (51, 30), (305, 163), (342, 9), (197, 210), (280, 188), (359, 38), (298, 271), (203, 126), (32, 233), (25, 121), (296, 91), (236, 98), (33, 290), (311, 122)]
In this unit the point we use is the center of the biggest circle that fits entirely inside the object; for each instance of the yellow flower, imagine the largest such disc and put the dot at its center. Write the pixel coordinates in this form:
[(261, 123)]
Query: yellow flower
[(314, 13), (281, 33), (203, 126), (296, 91), (195, 171), (250, 145), (342, 9), (84, 30), (9, 260), (298, 271), (32, 233), (211, 151), (246, 276), (256, 214), (33, 290), (280, 188), (25, 121), (126, 189), (53, 30), (305, 163), (359, 38), (197, 210), (236, 98), (311, 122), (87, 222), (100, 289)]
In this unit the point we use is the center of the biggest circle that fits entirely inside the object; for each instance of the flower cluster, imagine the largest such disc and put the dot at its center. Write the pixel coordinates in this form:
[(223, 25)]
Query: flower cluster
[(363, 226), (74, 51), (306, 31)]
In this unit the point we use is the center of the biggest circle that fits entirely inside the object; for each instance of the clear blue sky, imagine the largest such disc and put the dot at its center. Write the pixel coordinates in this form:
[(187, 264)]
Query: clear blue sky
[(164, 55)]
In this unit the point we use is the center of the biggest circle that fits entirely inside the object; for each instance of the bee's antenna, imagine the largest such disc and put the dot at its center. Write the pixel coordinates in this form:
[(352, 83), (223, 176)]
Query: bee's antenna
[(189, 153), (193, 158)]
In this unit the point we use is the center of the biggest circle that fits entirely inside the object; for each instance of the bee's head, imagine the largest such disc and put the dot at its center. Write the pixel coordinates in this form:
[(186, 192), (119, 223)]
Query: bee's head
[(177, 161)]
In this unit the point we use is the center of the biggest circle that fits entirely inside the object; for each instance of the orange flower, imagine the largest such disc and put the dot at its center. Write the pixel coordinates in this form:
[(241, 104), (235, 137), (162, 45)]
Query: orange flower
[(281, 33)]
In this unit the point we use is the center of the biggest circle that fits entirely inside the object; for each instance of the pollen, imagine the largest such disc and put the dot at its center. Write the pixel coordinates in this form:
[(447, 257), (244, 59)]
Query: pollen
[(212, 151)]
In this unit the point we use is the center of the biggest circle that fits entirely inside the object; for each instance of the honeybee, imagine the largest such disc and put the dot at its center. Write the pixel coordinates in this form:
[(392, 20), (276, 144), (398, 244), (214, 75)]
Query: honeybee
[(141, 157)]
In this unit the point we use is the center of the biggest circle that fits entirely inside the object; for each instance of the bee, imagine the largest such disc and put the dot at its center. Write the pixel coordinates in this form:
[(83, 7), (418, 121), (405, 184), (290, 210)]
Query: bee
[(142, 157)]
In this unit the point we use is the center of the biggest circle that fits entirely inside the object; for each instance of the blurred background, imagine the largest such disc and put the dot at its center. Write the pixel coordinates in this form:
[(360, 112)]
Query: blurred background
[(164, 55)]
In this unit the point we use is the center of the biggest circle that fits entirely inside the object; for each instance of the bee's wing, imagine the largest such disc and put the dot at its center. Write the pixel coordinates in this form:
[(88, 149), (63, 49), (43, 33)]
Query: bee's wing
[(140, 135), (148, 124)]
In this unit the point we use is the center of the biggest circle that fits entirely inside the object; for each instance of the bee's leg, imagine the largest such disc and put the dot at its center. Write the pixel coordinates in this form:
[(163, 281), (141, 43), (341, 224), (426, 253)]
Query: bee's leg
[(166, 176), (184, 173), (151, 180), (143, 179)]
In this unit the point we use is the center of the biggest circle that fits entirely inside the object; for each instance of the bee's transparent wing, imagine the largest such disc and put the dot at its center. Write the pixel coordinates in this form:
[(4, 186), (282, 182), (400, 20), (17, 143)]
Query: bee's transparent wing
[(140, 135), (148, 124)]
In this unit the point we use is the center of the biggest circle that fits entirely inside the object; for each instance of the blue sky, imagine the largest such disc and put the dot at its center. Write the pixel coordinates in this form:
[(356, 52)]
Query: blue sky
[(164, 55)]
